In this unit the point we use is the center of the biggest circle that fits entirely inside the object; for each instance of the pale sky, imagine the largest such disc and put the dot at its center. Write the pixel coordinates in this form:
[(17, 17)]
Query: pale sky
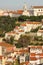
[(18, 4)]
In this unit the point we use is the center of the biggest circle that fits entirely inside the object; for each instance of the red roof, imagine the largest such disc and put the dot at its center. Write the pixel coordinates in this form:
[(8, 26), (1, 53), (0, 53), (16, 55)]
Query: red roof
[(33, 58), (37, 6), (0, 57), (21, 30), (39, 47), (19, 11), (9, 49), (32, 54), (41, 55), (5, 44), (23, 24), (33, 22)]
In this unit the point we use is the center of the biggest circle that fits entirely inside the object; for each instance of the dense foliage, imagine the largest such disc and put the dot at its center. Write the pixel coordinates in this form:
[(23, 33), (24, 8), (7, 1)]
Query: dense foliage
[(31, 18), (6, 24), (23, 41)]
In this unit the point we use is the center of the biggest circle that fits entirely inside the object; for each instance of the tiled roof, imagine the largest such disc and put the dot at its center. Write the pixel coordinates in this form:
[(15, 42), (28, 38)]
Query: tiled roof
[(23, 24), (32, 54), (33, 58), (5, 44), (21, 30), (1, 57), (9, 49), (33, 22), (22, 50), (39, 47), (37, 6), (41, 54), (19, 11)]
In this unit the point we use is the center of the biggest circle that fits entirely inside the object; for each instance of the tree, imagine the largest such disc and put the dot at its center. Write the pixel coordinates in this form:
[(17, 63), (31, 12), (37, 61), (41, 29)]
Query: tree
[(23, 18), (11, 40), (24, 40), (7, 23)]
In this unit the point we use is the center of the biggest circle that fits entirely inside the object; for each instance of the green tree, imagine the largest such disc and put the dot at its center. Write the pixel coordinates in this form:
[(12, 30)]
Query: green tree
[(24, 40), (11, 40), (23, 18)]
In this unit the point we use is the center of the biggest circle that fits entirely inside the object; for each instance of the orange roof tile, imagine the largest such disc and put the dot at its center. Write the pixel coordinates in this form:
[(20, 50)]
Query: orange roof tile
[(33, 22), (32, 54), (9, 49), (21, 30), (22, 50), (19, 11), (33, 58), (37, 6), (0, 57), (41, 54), (5, 44), (23, 24), (39, 47)]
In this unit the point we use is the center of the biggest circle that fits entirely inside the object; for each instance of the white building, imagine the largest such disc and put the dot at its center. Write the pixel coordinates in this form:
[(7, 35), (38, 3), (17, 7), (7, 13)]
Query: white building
[(25, 12), (36, 49), (36, 55), (40, 33), (37, 10), (24, 27)]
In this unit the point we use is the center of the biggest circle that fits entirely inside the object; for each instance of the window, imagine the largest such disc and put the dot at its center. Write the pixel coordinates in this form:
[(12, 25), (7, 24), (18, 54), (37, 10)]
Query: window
[(39, 10)]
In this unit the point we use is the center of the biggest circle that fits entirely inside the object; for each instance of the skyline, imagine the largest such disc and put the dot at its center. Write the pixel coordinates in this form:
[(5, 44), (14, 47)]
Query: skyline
[(18, 4)]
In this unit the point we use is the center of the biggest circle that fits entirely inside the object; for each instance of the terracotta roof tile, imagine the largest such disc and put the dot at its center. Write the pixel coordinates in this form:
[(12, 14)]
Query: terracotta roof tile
[(39, 47), (41, 55), (32, 54), (33, 22), (0, 57), (22, 50), (9, 49), (19, 11), (33, 58), (5, 44), (37, 6), (23, 24), (21, 30)]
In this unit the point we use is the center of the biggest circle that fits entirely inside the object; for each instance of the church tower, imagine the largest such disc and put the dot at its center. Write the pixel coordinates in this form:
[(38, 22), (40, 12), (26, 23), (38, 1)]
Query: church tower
[(25, 7), (25, 10)]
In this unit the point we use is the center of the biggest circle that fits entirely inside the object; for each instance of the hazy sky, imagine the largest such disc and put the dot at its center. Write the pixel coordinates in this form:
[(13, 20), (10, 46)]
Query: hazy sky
[(18, 4)]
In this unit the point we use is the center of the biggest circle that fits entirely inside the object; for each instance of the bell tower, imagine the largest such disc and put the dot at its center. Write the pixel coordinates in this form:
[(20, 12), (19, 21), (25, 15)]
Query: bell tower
[(25, 10), (25, 7)]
